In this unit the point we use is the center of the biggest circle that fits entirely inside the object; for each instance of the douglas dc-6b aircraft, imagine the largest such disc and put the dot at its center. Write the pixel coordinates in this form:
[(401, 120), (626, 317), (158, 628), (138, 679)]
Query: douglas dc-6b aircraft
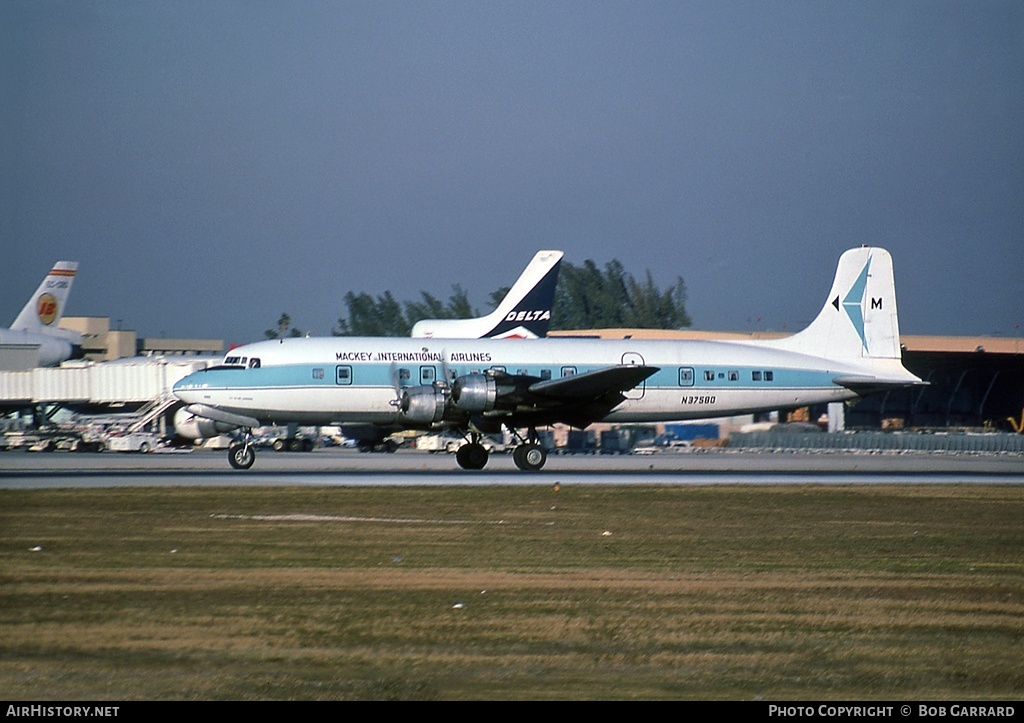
[(376, 386), (38, 323)]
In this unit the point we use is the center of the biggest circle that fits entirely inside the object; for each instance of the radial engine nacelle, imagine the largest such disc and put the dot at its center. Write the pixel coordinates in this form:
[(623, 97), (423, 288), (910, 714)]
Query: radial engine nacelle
[(190, 426), (424, 404), (469, 394), (476, 393)]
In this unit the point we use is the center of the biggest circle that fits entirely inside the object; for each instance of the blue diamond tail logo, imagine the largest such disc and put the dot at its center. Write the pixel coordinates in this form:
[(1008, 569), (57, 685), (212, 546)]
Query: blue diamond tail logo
[(853, 304)]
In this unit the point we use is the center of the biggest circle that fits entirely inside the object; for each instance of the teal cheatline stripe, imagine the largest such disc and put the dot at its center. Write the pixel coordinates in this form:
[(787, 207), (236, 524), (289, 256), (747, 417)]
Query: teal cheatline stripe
[(853, 303)]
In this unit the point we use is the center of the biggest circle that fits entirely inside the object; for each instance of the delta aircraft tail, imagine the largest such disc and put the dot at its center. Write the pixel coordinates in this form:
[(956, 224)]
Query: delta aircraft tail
[(524, 313)]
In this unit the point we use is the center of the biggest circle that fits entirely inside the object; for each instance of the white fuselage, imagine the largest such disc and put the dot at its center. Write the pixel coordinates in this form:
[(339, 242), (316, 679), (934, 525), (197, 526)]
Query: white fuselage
[(53, 347), (350, 379)]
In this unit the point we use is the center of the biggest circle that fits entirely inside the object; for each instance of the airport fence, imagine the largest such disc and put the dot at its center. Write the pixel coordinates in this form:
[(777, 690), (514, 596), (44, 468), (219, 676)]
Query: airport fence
[(881, 441)]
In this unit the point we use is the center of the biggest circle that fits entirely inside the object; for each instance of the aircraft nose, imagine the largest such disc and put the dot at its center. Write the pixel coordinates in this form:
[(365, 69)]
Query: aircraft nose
[(185, 387)]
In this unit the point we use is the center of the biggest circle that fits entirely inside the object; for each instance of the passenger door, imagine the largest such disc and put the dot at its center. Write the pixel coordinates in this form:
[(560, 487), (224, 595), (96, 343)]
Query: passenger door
[(633, 358)]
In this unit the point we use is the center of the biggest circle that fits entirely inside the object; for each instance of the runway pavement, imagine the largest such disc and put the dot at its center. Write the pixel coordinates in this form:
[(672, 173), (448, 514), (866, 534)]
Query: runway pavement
[(26, 470)]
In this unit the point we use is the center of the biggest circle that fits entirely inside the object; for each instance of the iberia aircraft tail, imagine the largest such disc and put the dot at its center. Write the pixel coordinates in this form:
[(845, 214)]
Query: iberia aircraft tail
[(43, 311)]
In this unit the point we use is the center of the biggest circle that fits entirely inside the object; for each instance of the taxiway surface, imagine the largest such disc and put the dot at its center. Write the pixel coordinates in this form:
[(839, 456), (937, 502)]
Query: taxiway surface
[(22, 470)]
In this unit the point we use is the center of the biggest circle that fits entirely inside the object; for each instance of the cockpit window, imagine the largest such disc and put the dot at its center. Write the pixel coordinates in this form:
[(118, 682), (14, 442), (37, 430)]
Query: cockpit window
[(254, 363)]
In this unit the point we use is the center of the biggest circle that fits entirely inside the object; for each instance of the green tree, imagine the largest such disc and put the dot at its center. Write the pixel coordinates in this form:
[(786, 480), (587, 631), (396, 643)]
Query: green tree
[(284, 329), (385, 316), (430, 307), (588, 297)]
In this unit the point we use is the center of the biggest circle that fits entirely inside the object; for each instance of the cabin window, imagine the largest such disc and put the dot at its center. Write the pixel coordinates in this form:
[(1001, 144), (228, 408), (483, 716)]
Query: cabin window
[(318, 373), (755, 376), (685, 377), (734, 376), (343, 375), (545, 373), (498, 370), (568, 371), (427, 375), (404, 375), (709, 375), (769, 376), (523, 372)]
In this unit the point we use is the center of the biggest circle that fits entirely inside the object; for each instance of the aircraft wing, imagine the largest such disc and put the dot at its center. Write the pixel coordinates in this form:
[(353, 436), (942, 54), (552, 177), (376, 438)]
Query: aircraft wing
[(593, 384), (577, 400)]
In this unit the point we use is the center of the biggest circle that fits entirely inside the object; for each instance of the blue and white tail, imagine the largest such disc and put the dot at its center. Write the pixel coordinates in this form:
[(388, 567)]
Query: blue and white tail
[(858, 320), (524, 313)]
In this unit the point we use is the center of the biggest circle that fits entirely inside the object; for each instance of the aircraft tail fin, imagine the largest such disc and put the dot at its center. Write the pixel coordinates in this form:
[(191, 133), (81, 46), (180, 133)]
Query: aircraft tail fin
[(525, 312), (858, 320), (44, 310)]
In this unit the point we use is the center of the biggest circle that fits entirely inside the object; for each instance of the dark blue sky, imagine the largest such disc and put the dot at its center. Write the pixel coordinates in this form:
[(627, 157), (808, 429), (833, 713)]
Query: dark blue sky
[(212, 164)]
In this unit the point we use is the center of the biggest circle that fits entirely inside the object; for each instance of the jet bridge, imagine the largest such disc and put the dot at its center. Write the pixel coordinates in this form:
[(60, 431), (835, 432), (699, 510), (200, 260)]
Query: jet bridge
[(118, 399), (106, 385)]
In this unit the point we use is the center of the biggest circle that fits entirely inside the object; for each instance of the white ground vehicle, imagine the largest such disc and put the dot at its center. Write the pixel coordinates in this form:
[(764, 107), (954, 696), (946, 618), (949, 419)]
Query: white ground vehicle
[(138, 442)]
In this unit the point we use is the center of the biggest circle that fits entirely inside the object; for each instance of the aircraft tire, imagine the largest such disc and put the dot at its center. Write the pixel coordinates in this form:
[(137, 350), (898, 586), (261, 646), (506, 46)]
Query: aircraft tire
[(241, 456), (529, 457), (472, 456)]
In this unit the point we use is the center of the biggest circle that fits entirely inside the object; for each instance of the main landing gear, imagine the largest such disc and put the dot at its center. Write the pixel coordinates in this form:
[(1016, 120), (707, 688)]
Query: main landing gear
[(473, 455), (528, 455)]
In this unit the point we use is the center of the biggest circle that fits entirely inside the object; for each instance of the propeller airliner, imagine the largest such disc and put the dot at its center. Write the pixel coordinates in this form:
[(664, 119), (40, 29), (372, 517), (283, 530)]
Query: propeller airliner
[(374, 387)]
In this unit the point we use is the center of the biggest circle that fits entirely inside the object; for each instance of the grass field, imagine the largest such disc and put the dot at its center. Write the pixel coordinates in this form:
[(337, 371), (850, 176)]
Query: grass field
[(730, 592)]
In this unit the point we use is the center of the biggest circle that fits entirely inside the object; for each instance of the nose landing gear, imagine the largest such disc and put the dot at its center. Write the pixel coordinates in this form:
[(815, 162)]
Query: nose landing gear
[(242, 454)]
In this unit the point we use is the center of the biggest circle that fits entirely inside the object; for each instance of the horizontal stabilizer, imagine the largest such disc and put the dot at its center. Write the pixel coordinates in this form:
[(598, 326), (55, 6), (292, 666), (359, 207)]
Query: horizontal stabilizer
[(865, 384)]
